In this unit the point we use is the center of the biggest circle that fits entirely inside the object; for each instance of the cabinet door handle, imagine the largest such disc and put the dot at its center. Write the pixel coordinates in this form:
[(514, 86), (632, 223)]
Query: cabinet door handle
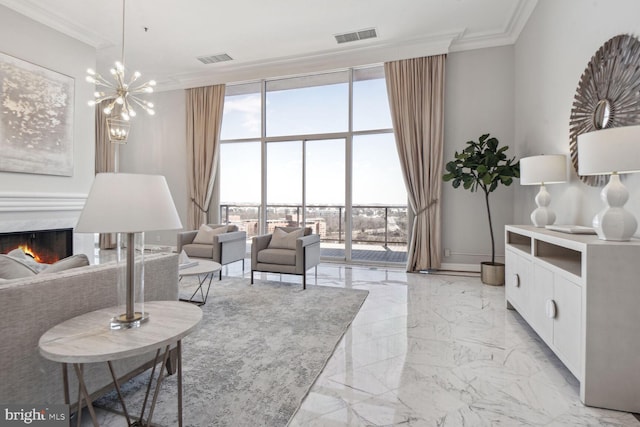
[(551, 308), (516, 280)]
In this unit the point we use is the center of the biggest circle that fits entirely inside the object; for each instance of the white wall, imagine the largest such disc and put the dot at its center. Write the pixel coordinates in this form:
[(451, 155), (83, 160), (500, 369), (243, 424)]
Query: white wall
[(33, 42), (550, 56), (479, 99)]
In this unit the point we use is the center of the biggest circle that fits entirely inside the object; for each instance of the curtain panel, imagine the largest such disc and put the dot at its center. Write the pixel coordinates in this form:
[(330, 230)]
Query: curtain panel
[(204, 121), (106, 161), (416, 96)]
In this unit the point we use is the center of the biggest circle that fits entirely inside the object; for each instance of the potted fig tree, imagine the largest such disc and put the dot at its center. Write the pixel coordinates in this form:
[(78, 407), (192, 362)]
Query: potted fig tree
[(483, 165)]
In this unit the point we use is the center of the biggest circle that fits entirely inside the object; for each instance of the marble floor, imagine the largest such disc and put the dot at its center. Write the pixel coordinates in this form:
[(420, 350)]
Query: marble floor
[(436, 350)]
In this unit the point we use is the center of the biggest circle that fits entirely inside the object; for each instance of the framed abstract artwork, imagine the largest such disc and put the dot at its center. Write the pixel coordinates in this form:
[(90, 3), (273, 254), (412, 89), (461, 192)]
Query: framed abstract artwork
[(36, 119)]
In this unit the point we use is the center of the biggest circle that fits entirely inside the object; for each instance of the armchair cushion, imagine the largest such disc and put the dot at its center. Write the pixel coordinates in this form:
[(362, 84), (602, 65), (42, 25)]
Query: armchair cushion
[(205, 234), (277, 256), (282, 239)]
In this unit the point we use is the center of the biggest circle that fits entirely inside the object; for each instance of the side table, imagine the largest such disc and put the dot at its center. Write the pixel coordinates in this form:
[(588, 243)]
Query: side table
[(203, 270), (88, 339)]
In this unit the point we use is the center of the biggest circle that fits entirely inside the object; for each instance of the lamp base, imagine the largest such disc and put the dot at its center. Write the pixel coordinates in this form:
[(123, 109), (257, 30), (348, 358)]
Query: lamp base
[(542, 215), (122, 322), (614, 222)]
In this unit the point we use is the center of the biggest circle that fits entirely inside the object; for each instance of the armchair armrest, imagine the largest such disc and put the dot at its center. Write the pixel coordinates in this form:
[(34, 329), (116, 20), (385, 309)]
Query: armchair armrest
[(231, 236), (185, 238), (307, 240), (307, 252)]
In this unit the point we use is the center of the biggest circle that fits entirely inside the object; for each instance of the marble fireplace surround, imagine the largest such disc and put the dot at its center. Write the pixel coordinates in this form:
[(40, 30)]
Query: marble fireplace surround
[(29, 211)]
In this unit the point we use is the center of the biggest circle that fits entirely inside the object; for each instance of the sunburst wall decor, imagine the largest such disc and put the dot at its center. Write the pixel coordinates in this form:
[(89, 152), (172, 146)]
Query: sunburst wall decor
[(608, 94)]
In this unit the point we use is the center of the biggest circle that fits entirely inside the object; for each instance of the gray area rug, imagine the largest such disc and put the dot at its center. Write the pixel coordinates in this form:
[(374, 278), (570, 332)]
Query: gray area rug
[(257, 353)]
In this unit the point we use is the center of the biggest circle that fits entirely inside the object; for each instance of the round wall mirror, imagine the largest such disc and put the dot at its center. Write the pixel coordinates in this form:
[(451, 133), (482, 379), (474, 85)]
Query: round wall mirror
[(601, 114), (608, 95)]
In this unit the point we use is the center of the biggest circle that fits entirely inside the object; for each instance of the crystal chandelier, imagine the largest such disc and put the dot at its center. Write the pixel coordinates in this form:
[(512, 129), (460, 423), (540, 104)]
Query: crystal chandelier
[(120, 96)]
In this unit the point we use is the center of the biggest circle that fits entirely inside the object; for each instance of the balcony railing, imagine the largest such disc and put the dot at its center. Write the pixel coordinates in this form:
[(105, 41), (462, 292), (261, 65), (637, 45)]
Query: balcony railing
[(371, 224)]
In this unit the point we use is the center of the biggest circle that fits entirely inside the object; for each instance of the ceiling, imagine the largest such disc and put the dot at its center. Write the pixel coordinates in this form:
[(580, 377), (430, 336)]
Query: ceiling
[(269, 38)]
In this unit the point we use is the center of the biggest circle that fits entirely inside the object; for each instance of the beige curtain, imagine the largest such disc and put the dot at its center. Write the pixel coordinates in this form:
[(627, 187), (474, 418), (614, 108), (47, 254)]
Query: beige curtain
[(416, 96), (204, 120), (105, 162)]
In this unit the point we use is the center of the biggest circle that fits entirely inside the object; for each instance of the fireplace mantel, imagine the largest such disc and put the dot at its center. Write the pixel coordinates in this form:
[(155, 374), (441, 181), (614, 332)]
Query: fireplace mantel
[(31, 211), (16, 201)]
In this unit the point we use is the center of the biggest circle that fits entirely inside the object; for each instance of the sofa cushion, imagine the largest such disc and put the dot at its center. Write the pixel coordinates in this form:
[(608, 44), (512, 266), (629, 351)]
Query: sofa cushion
[(199, 251), (73, 261), (280, 239), (277, 256), (36, 266), (12, 268)]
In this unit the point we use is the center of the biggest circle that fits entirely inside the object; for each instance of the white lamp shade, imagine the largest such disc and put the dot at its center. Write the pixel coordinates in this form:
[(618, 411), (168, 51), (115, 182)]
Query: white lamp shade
[(128, 203), (609, 150), (545, 169)]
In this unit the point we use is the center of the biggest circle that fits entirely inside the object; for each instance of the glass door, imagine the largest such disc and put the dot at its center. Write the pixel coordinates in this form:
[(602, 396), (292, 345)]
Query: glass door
[(284, 185), (324, 195), (379, 211)]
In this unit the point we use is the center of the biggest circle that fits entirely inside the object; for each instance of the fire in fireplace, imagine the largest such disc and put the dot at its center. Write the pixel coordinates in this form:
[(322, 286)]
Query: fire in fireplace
[(45, 246)]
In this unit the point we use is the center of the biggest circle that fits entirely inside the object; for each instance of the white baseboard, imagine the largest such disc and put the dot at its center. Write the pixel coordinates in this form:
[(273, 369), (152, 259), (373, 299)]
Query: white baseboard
[(474, 268)]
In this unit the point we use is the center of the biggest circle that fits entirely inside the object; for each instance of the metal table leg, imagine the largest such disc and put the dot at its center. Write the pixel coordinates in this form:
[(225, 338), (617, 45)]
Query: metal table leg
[(203, 296)]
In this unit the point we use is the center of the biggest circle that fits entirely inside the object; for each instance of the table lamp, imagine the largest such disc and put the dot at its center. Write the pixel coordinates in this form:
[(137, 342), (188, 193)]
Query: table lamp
[(611, 151), (130, 204), (542, 170)]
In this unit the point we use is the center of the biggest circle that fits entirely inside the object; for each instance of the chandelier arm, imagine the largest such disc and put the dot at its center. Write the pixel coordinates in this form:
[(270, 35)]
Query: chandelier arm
[(120, 80), (141, 90), (102, 99), (103, 83), (109, 107), (134, 77), (139, 102)]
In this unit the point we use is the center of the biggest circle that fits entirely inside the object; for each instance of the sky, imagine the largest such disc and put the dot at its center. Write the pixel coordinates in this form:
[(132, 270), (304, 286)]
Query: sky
[(377, 177)]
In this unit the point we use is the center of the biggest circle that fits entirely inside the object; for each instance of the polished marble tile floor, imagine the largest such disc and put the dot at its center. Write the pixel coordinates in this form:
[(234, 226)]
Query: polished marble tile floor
[(437, 350)]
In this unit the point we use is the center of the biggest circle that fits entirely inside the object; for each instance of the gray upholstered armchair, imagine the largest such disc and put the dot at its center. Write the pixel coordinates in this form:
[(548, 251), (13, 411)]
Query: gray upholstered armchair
[(227, 245), (288, 250)]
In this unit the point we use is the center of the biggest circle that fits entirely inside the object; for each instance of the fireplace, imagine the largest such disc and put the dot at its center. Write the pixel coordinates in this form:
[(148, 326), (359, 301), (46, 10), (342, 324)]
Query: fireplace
[(45, 246)]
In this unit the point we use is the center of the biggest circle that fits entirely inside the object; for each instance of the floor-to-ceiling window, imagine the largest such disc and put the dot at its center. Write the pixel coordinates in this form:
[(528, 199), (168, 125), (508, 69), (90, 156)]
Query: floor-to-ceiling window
[(316, 150)]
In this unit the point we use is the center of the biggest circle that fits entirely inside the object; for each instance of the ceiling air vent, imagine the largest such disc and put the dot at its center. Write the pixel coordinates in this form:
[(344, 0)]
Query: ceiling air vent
[(369, 33), (212, 59)]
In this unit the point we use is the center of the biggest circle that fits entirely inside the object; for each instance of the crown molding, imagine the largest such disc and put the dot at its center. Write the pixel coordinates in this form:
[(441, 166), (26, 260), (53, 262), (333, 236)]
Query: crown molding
[(344, 58), (58, 22), (522, 10)]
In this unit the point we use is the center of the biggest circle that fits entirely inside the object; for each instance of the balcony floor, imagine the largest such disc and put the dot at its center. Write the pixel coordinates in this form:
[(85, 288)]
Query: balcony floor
[(367, 253)]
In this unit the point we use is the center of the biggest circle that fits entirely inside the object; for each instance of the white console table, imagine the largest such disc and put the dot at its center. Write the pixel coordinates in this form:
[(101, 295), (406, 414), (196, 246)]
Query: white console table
[(582, 297)]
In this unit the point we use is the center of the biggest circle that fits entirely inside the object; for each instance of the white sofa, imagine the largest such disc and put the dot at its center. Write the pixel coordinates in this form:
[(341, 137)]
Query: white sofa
[(31, 306)]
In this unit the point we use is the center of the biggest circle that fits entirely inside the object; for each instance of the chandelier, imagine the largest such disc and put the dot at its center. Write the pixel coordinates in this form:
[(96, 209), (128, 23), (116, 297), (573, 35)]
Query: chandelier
[(120, 97)]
